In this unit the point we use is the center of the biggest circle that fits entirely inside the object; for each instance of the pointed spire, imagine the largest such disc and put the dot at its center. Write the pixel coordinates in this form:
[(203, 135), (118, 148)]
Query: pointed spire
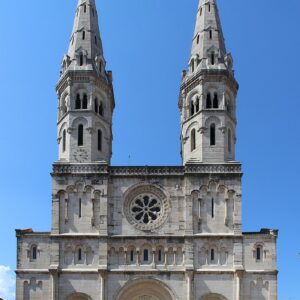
[(85, 36), (208, 48)]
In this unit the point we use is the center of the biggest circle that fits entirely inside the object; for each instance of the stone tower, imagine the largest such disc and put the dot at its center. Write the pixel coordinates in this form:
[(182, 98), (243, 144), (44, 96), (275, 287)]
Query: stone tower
[(85, 92), (146, 233), (208, 94)]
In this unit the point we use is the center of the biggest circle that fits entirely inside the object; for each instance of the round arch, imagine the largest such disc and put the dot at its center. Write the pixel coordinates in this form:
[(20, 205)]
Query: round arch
[(150, 289), (78, 296), (213, 297)]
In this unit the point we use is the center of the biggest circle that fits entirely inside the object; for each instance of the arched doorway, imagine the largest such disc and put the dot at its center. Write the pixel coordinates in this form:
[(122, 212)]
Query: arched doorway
[(213, 297), (149, 289), (78, 296)]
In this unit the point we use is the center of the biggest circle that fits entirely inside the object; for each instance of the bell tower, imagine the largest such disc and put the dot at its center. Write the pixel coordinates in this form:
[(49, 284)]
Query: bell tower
[(85, 94), (208, 94)]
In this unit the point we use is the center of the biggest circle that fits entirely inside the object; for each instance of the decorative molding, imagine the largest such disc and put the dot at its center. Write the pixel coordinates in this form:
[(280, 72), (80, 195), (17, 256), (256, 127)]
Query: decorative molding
[(95, 168)]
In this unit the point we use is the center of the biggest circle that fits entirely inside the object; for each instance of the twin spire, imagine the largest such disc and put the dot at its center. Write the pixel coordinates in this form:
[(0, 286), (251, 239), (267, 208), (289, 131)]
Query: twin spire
[(208, 47), (85, 38)]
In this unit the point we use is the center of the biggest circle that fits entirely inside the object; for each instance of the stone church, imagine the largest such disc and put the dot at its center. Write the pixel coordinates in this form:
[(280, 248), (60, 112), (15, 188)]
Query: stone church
[(147, 233)]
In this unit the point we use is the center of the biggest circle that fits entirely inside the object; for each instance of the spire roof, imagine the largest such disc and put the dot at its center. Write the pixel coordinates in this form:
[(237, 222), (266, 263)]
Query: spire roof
[(208, 38), (86, 35)]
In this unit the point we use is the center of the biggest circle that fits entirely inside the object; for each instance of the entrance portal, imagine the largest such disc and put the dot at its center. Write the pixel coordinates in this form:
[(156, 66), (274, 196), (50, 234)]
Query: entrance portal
[(142, 289)]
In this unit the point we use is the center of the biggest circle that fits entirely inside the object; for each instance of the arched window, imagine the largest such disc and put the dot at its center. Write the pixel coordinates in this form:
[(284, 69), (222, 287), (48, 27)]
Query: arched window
[(197, 104), (96, 105), (192, 108), (101, 109), (78, 102), (212, 134), (84, 8), (146, 255), (84, 102), (99, 140), (201, 11), (83, 35), (212, 255), (131, 256), (192, 65), (212, 207), (64, 141), (216, 101), (208, 101), (212, 58), (34, 252), (229, 140), (81, 59), (80, 208), (258, 253), (80, 135), (79, 254), (210, 34), (193, 140), (209, 7), (159, 256), (198, 38)]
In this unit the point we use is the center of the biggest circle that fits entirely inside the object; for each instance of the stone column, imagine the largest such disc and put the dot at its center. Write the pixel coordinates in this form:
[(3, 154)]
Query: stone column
[(189, 279), (238, 276), (53, 279), (102, 275)]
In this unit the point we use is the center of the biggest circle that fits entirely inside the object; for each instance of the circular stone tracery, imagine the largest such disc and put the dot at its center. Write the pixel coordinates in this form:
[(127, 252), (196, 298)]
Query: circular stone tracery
[(146, 207)]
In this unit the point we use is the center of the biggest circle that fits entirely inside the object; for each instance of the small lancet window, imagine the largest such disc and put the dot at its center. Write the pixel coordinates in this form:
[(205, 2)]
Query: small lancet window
[(192, 65), (131, 255), (159, 255), (201, 11), (80, 135), (146, 255), (84, 102), (208, 101), (197, 104), (34, 253), (101, 109), (84, 8), (64, 141), (192, 108), (99, 137), (96, 105), (229, 140), (198, 39), (100, 66), (79, 254), (83, 35), (193, 140), (96, 40), (212, 254), (216, 101), (212, 58), (212, 134), (93, 11), (81, 59), (212, 208), (80, 208), (258, 253), (209, 7), (78, 102), (210, 34)]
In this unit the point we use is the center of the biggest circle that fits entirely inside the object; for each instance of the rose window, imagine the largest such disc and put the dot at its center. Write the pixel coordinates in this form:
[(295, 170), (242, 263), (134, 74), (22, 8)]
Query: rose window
[(146, 209)]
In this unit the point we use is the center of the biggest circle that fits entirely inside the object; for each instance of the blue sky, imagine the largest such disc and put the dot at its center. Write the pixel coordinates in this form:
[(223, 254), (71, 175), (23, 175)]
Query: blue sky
[(147, 44)]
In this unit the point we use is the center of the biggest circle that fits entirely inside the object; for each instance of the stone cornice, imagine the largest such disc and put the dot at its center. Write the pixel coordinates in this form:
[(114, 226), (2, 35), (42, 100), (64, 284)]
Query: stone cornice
[(190, 169)]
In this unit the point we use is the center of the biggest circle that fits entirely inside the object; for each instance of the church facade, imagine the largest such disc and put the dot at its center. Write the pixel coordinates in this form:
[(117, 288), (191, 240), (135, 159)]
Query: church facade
[(147, 233)]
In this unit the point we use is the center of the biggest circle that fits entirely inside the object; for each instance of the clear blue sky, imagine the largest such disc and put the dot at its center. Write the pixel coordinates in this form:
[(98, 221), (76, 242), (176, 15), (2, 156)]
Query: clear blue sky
[(147, 44)]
